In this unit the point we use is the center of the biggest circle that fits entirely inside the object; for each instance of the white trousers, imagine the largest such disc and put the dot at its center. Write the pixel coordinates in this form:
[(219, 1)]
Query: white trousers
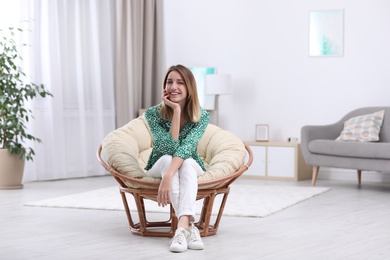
[(184, 184)]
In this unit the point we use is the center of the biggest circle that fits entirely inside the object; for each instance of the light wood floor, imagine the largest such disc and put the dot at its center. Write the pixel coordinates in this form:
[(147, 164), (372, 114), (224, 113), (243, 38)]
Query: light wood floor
[(343, 223)]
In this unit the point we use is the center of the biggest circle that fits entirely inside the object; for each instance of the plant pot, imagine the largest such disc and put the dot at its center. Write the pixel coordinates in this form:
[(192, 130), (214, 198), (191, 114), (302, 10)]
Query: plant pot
[(11, 170)]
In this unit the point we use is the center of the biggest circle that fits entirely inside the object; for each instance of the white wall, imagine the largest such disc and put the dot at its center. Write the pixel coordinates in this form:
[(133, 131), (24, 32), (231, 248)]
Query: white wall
[(264, 45)]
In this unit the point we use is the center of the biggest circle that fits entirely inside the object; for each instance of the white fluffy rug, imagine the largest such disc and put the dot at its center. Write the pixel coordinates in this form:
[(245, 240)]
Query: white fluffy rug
[(244, 200)]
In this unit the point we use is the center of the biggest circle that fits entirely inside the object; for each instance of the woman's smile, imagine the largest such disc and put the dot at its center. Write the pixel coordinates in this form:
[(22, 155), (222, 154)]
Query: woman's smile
[(174, 94)]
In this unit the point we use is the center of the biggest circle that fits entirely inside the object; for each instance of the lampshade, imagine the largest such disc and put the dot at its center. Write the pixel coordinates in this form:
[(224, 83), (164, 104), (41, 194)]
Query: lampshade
[(218, 84)]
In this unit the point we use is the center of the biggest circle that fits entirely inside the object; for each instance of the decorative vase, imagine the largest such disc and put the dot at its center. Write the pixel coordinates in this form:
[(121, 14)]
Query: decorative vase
[(11, 170)]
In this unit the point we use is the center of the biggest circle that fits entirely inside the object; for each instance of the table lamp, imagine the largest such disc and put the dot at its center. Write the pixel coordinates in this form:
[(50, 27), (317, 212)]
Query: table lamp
[(218, 84)]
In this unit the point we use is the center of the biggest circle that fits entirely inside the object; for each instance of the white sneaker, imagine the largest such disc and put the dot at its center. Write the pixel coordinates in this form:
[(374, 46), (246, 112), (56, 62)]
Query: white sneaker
[(194, 241), (179, 241)]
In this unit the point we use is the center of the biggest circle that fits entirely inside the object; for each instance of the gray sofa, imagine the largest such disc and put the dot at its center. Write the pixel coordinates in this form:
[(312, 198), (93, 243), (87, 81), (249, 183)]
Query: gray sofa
[(319, 147)]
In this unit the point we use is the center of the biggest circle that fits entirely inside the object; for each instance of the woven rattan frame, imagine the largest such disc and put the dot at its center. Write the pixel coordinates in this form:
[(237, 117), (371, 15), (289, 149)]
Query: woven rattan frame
[(207, 191)]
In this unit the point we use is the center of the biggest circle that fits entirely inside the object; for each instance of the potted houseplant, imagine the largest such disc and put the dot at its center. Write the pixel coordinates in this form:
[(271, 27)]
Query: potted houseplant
[(14, 93)]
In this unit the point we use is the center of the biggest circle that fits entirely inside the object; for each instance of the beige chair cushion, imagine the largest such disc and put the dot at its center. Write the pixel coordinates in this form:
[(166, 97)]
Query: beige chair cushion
[(127, 149)]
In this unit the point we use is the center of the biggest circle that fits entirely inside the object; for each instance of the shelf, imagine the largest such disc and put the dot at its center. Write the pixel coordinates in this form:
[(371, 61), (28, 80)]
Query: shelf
[(278, 161)]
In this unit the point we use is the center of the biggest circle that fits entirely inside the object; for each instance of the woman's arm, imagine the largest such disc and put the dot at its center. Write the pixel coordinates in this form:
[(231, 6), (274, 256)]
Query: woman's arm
[(175, 127), (164, 191), (161, 132), (163, 197)]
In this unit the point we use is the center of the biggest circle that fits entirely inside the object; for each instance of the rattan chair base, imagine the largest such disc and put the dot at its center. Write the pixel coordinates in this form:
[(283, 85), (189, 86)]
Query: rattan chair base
[(167, 228), (207, 191)]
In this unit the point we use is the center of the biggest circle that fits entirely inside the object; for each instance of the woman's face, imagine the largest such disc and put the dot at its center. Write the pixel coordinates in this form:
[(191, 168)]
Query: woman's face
[(175, 88)]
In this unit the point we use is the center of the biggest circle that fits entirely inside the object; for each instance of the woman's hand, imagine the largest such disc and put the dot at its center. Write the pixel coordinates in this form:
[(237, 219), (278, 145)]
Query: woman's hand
[(165, 98), (164, 191)]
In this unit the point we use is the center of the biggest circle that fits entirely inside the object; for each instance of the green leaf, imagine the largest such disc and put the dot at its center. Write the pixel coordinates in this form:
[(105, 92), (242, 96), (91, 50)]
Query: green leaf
[(14, 92)]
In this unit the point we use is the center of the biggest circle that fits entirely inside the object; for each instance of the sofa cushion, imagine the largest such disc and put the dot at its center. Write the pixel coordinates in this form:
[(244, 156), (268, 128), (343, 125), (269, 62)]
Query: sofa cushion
[(351, 149), (363, 128)]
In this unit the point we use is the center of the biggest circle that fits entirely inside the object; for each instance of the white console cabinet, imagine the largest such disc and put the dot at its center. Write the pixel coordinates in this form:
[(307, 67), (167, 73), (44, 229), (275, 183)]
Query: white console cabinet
[(278, 161)]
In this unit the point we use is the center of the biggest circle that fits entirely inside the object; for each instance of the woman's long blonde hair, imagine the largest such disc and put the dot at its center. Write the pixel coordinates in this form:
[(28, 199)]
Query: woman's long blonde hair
[(192, 107)]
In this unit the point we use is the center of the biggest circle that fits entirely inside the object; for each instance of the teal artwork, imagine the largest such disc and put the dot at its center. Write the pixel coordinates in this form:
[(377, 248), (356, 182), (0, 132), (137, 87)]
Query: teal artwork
[(206, 101), (326, 33)]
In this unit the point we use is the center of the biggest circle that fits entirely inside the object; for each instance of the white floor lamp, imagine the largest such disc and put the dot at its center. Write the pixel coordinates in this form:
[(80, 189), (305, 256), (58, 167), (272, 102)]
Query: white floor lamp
[(218, 84)]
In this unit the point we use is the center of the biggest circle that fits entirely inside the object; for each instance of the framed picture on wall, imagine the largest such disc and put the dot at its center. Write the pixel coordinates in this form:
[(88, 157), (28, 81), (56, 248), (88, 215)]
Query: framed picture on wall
[(262, 133), (326, 33)]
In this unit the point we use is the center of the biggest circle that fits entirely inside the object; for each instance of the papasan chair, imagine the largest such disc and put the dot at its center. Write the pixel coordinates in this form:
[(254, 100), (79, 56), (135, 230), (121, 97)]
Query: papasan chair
[(126, 151)]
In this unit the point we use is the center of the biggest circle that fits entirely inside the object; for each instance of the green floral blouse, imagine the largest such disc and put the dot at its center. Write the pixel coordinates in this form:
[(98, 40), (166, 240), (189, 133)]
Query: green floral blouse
[(163, 143)]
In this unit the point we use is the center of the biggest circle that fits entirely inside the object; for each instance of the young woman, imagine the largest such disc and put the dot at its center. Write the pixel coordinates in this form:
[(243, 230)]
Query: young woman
[(177, 124)]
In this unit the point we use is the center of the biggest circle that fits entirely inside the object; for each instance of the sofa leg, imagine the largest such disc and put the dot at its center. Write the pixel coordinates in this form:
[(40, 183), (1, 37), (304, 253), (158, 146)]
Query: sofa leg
[(359, 176), (315, 174)]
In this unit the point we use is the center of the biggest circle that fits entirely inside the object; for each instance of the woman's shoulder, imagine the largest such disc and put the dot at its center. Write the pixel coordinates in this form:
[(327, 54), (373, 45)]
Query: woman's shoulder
[(204, 113), (152, 114), (204, 117), (152, 111)]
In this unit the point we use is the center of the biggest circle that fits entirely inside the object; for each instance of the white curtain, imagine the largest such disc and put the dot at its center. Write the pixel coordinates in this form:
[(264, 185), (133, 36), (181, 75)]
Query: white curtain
[(102, 61), (71, 51)]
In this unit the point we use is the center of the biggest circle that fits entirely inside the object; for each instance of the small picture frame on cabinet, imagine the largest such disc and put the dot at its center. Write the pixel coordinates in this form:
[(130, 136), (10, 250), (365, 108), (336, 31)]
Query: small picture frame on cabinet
[(262, 133)]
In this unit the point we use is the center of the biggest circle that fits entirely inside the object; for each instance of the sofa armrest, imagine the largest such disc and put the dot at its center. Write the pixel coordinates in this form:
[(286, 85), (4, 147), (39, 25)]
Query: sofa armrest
[(315, 132), (326, 132)]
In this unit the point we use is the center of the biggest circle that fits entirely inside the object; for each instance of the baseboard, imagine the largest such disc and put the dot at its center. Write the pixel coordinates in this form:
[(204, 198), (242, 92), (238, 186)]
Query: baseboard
[(327, 173)]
